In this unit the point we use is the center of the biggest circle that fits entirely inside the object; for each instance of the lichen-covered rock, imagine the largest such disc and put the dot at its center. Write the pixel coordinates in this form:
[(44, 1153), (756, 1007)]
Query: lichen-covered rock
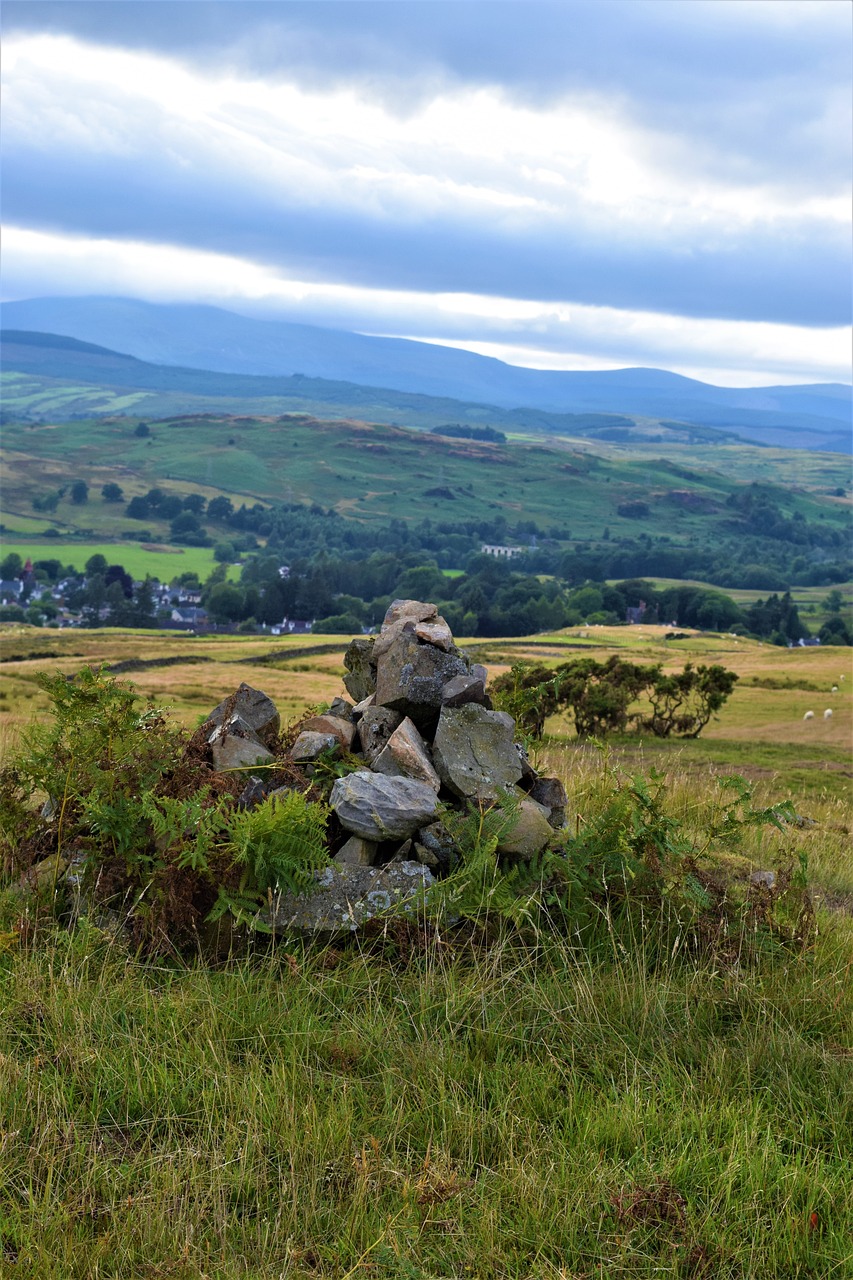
[(311, 744), (375, 728), (381, 808), (406, 755), (340, 707), (473, 751), (410, 678), (529, 833), (344, 896), (360, 680), (255, 709)]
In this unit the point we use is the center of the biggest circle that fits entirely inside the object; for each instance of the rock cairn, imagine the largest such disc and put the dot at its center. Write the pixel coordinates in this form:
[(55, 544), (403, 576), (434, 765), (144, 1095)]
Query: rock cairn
[(422, 725)]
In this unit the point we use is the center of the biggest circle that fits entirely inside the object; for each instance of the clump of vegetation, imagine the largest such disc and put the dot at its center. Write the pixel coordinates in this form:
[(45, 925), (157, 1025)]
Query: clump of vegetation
[(138, 815), (599, 696)]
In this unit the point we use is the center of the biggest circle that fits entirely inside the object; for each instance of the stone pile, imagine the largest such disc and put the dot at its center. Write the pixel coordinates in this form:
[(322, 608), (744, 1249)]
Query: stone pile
[(422, 733)]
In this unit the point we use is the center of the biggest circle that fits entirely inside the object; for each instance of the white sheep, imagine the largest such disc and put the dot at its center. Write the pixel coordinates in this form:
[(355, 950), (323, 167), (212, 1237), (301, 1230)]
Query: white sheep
[(834, 689), (827, 715), (809, 715)]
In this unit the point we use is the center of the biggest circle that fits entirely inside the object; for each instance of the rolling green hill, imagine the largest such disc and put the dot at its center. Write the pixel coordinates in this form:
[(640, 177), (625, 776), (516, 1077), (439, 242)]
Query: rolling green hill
[(49, 375)]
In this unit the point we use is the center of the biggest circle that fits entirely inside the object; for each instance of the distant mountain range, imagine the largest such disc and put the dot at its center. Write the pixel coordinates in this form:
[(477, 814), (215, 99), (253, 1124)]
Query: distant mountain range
[(260, 358)]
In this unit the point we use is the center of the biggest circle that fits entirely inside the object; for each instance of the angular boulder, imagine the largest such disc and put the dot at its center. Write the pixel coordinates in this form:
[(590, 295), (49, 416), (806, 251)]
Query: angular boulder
[(380, 808), (344, 896), (310, 744), (375, 728), (343, 730), (416, 610), (411, 676), (360, 680), (467, 688), (406, 756), (232, 748), (255, 709), (473, 751), (357, 851)]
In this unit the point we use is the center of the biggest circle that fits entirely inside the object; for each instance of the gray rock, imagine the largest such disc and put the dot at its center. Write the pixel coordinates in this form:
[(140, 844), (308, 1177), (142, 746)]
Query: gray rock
[(530, 832), (375, 728), (416, 610), (234, 750), (479, 672), (467, 688), (344, 896), (255, 710), (343, 730), (406, 756), (341, 708), (360, 680), (380, 808), (437, 842), (358, 852), (389, 634), (551, 793), (311, 744), (360, 707), (473, 751), (410, 678)]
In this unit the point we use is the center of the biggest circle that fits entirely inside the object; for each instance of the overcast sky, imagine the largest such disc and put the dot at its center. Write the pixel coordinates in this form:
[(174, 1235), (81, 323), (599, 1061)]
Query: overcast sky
[(563, 185)]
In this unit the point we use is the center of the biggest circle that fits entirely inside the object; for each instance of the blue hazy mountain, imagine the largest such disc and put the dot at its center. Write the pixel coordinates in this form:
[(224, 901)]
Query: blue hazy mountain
[(211, 338)]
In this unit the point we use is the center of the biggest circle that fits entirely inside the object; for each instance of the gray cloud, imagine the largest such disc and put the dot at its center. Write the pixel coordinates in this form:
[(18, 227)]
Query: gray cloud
[(743, 87)]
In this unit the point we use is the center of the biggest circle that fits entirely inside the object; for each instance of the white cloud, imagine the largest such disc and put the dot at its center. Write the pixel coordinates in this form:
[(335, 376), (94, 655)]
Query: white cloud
[(462, 152), (529, 332)]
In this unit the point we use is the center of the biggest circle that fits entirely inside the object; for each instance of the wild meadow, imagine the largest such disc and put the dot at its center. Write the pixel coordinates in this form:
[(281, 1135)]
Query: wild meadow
[(563, 1097)]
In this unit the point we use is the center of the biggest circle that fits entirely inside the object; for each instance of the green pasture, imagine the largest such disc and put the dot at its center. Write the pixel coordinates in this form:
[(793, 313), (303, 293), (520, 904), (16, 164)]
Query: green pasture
[(370, 472), (139, 558)]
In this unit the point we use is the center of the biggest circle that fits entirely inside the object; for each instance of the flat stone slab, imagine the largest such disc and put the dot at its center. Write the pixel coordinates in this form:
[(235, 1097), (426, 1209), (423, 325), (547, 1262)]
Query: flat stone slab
[(474, 753), (344, 896), (381, 808), (437, 633), (231, 751)]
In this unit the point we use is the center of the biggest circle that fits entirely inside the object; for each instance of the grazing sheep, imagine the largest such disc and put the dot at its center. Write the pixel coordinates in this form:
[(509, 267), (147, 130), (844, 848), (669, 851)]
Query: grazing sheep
[(827, 715), (834, 689), (809, 715)]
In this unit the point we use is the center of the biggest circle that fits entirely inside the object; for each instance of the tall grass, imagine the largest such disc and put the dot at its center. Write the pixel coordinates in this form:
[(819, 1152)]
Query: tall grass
[(503, 1111)]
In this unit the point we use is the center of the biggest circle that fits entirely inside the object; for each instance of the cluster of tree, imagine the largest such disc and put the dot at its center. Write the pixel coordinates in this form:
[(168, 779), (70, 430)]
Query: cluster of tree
[(600, 696)]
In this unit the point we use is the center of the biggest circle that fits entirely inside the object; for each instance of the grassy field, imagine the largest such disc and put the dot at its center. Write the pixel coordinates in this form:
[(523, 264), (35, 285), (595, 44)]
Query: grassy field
[(139, 558), (514, 1107), (372, 472)]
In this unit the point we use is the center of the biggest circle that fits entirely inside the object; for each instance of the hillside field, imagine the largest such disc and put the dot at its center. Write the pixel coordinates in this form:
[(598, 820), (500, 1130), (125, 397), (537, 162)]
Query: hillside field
[(426, 1105)]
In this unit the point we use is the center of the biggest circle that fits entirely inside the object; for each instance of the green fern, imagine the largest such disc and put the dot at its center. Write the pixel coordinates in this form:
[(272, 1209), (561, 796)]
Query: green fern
[(280, 843)]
